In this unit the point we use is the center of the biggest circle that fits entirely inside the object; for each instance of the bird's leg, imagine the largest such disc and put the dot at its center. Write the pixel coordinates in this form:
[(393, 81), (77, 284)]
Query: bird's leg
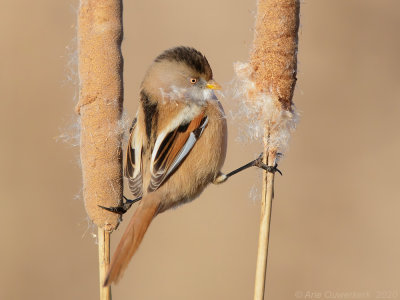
[(123, 208), (255, 163)]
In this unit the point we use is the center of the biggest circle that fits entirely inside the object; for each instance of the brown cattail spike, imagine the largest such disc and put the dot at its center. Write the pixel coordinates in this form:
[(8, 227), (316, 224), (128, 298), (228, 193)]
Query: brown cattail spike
[(100, 107), (274, 55)]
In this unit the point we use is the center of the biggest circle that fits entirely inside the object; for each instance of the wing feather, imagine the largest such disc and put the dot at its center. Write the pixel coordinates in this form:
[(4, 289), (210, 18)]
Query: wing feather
[(134, 161), (175, 146)]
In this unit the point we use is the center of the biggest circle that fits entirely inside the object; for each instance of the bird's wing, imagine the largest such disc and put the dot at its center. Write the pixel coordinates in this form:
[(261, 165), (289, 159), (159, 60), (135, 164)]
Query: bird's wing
[(133, 165), (172, 147)]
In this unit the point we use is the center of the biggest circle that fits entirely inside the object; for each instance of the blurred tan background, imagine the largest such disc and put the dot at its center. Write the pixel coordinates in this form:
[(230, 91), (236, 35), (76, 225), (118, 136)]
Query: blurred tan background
[(335, 225)]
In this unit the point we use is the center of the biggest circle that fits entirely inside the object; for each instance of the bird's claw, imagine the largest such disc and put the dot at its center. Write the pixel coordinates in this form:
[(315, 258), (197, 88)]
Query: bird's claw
[(123, 208), (272, 169)]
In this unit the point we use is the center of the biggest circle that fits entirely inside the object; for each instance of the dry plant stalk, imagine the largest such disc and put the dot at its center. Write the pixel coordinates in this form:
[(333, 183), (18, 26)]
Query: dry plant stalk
[(274, 65), (100, 109), (104, 261)]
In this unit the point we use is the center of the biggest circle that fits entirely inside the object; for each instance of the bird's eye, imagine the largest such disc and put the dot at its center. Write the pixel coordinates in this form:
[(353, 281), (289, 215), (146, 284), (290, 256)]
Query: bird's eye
[(193, 80)]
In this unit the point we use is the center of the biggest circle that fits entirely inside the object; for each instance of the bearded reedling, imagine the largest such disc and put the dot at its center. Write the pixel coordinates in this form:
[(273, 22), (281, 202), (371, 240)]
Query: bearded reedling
[(177, 144)]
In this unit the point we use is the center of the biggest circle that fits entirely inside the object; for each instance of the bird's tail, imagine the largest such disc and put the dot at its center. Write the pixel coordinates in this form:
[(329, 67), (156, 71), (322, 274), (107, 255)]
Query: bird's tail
[(132, 237)]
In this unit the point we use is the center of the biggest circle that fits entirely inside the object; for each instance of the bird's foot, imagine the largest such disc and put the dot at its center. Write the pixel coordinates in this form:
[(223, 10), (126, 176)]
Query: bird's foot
[(272, 169), (123, 208)]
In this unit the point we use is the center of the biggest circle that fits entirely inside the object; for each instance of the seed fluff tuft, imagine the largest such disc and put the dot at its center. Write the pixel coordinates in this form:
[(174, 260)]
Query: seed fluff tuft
[(257, 111)]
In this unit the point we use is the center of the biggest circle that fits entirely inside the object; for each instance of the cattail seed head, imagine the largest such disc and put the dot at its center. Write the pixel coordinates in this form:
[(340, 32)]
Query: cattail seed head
[(100, 107), (266, 84)]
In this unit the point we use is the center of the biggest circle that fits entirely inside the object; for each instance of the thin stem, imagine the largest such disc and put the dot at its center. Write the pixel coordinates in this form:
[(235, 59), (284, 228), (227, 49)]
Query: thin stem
[(104, 262), (265, 221)]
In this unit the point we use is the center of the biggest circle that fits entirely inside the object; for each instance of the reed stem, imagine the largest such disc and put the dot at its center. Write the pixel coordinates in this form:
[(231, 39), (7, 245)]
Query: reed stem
[(265, 222), (104, 262)]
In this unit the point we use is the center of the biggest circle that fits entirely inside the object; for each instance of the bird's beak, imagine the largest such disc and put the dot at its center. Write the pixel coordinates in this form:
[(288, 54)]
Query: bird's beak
[(212, 85)]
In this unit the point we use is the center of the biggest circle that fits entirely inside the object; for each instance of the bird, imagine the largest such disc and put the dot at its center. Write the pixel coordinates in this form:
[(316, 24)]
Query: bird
[(177, 144)]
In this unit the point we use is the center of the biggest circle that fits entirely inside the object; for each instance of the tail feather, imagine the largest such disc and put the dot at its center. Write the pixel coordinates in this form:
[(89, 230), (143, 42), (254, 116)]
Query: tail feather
[(131, 239)]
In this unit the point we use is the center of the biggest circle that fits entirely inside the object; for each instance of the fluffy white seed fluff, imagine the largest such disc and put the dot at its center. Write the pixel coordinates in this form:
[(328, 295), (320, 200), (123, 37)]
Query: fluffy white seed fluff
[(258, 111)]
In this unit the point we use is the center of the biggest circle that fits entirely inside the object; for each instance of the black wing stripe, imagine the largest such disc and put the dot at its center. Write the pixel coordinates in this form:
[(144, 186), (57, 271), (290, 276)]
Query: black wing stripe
[(164, 150)]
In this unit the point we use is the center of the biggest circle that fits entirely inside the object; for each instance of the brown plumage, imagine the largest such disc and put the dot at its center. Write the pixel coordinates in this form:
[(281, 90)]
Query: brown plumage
[(131, 238), (177, 144)]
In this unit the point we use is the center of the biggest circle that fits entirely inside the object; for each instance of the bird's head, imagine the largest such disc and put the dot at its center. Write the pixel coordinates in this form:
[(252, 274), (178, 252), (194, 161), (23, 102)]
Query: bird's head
[(180, 73)]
